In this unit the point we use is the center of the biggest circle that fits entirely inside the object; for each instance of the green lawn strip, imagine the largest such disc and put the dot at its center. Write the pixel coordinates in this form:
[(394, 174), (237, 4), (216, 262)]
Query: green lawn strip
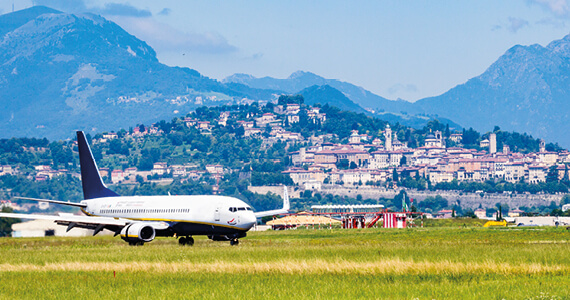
[(459, 263)]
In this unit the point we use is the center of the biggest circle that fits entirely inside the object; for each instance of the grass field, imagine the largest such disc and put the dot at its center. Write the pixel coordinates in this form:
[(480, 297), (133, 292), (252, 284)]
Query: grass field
[(420, 263)]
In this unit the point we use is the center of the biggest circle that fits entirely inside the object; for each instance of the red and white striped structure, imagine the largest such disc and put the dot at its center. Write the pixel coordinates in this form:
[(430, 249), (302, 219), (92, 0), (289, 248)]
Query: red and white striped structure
[(394, 220)]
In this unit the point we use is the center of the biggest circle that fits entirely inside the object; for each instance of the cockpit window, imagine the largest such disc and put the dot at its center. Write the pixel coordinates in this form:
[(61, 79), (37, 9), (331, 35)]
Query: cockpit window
[(233, 209), (241, 208), (248, 208)]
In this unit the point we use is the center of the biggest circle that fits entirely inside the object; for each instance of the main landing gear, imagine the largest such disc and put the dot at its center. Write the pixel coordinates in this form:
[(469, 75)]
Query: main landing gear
[(183, 241), (234, 242)]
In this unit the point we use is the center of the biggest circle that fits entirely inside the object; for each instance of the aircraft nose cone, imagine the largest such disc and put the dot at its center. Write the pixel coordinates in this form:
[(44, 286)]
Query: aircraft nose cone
[(250, 219)]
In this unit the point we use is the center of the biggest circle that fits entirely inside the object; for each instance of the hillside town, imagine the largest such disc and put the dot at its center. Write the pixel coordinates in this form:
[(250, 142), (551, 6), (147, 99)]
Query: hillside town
[(375, 161), (267, 126), (361, 159)]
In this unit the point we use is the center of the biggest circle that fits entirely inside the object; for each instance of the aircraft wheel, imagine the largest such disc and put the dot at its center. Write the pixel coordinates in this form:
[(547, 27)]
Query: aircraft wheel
[(182, 241), (190, 241), (234, 242)]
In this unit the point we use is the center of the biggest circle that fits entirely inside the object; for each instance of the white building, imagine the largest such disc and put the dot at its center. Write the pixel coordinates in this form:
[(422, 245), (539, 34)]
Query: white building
[(41, 228)]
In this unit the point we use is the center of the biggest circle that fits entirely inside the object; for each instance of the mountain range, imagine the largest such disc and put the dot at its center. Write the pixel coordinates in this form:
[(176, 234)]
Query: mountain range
[(526, 90), (62, 72)]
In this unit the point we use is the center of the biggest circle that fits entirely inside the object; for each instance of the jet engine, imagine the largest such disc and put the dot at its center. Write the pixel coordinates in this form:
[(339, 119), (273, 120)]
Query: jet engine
[(138, 233)]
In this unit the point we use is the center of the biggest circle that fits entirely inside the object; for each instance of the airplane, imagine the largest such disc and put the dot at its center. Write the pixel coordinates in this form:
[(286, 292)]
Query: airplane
[(139, 219)]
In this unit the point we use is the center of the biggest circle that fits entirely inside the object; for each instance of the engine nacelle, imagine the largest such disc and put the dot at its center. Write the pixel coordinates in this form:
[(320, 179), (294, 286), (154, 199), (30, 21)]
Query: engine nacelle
[(138, 232)]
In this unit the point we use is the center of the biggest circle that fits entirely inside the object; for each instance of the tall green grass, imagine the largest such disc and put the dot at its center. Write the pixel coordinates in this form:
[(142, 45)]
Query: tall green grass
[(423, 263)]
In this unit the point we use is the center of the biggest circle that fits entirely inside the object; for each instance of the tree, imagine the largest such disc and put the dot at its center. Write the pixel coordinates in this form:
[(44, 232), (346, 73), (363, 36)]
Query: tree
[(470, 137), (6, 223), (433, 204), (552, 175), (342, 163), (290, 99), (399, 200), (403, 161), (565, 200), (566, 178), (395, 175)]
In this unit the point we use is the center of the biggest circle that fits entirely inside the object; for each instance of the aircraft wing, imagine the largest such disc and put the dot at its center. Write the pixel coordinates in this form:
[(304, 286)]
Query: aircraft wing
[(95, 223), (270, 213)]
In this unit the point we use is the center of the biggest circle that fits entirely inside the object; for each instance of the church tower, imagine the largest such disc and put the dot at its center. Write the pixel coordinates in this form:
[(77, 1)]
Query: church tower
[(388, 136)]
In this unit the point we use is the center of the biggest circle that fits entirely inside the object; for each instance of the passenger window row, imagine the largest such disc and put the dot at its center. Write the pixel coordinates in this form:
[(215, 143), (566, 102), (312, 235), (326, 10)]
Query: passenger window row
[(144, 211)]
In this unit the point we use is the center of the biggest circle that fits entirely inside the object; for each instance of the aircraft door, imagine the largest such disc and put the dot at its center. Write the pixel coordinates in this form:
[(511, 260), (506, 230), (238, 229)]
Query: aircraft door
[(217, 213)]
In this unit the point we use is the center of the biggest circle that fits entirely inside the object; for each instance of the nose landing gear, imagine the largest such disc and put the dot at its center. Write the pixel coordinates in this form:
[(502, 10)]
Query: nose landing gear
[(234, 242)]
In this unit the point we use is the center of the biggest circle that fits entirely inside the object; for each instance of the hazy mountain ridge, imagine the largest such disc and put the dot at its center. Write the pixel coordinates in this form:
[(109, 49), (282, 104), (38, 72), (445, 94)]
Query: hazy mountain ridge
[(60, 72), (327, 94), (301, 80), (525, 90)]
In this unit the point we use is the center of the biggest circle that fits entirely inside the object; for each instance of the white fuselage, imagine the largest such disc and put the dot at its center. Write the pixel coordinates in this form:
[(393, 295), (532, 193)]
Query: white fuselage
[(217, 211)]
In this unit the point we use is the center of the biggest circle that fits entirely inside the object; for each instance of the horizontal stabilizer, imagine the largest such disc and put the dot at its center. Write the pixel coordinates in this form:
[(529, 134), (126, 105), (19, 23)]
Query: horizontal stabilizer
[(78, 220), (88, 222)]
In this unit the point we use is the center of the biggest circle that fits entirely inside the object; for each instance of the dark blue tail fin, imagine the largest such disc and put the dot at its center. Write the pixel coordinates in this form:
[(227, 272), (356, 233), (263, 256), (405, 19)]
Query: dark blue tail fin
[(93, 186)]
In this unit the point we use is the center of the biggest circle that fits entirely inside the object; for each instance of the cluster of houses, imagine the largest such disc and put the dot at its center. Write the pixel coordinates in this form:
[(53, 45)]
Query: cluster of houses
[(182, 172), (276, 121), (130, 175), (363, 160), (374, 161)]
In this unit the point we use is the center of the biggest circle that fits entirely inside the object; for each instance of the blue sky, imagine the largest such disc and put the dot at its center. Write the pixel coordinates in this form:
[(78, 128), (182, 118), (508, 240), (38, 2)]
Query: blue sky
[(396, 49)]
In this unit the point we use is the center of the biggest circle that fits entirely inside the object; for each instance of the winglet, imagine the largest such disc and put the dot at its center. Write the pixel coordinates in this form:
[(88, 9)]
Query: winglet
[(93, 186), (284, 210), (286, 204)]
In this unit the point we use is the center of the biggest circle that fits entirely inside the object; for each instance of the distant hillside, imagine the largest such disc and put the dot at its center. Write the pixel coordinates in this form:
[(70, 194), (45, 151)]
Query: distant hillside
[(526, 90), (301, 80), (327, 94), (61, 72)]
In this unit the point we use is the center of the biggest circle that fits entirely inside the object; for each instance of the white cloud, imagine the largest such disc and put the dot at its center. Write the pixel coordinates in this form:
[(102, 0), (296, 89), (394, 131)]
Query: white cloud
[(556, 23), (165, 11), (163, 37), (120, 9), (68, 6), (560, 8), (515, 24), (109, 9), (512, 24), (257, 56)]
